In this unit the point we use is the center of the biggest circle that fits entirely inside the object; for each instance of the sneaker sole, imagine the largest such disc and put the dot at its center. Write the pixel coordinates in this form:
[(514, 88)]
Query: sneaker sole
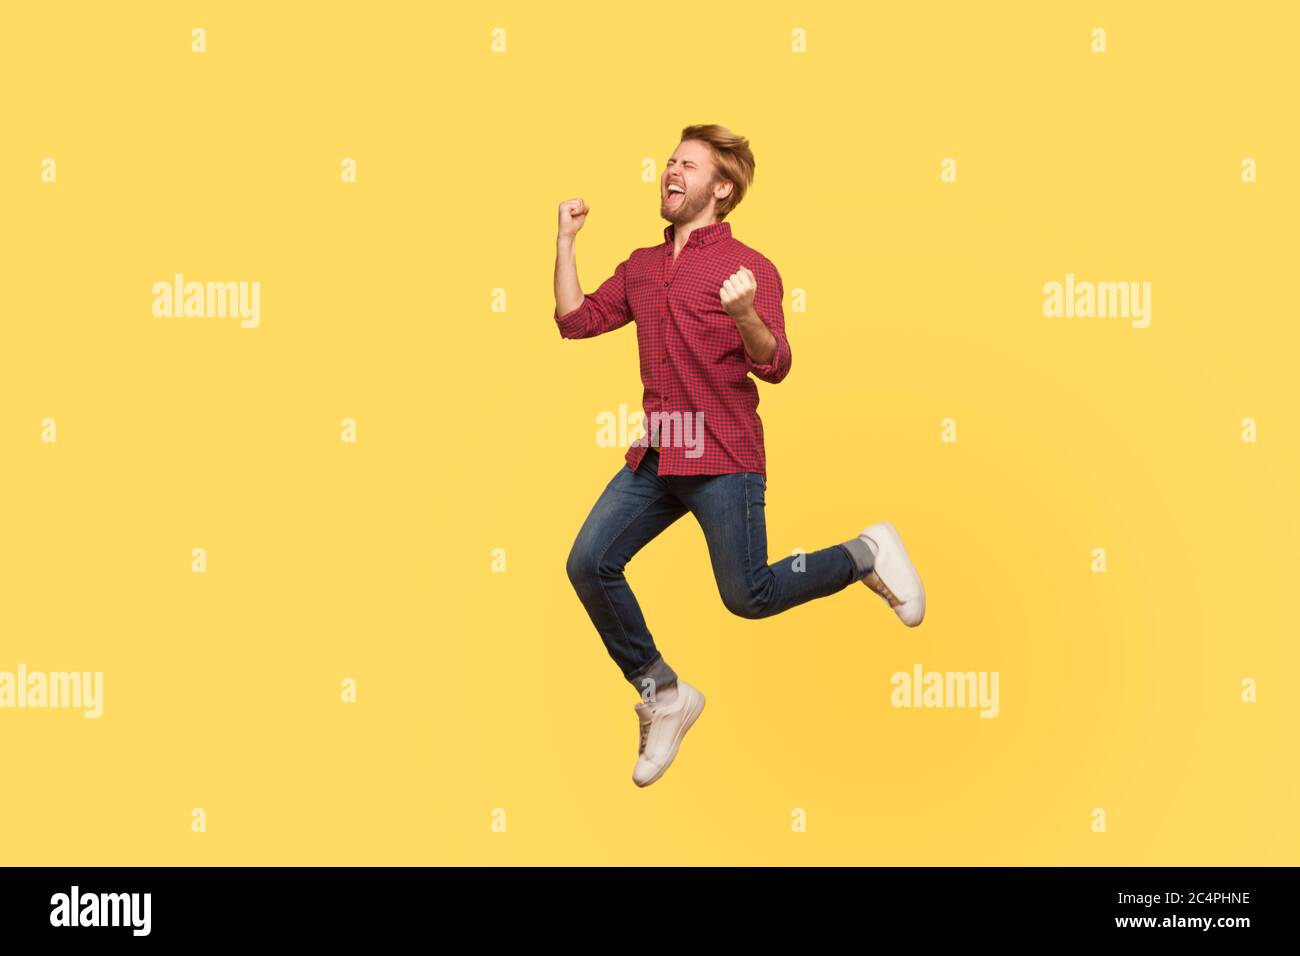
[(692, 714), (897, 542)]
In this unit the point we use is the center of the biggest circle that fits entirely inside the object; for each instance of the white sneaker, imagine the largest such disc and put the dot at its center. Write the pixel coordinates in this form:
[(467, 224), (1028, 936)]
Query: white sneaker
[(662, 728), (893, 576)]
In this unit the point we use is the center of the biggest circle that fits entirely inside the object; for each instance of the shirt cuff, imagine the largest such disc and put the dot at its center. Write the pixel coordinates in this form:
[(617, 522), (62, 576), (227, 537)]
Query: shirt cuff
[(768, 371)]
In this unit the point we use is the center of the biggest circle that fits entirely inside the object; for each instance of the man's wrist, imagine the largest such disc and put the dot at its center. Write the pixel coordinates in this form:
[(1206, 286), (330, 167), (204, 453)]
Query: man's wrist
[(751, 322)]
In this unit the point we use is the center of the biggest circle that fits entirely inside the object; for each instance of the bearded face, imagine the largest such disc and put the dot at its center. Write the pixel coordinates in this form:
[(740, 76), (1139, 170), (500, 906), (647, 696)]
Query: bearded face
[(686, 187)]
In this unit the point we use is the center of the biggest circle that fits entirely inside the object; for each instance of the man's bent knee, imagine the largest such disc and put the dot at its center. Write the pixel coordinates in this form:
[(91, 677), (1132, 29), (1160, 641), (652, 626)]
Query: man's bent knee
[(581, 566), (586, 566), (743, 603)]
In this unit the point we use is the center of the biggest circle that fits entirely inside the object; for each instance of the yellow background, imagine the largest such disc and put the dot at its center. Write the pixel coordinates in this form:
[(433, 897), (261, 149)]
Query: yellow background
[(476, 430)]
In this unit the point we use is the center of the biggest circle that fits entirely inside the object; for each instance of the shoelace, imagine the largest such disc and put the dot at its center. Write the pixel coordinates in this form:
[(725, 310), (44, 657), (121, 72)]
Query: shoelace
[(645, 728)]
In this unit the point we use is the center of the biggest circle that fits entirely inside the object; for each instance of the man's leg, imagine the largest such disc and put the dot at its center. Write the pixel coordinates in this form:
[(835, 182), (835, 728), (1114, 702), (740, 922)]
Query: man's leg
[(731, 512), (634, 507)]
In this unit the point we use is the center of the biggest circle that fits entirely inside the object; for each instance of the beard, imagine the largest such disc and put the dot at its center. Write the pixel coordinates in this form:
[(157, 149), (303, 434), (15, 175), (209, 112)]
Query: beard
[(688, 208)]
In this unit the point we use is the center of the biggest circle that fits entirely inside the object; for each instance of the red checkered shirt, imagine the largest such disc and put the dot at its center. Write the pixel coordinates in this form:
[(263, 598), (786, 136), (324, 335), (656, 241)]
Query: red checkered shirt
[(694, 367)]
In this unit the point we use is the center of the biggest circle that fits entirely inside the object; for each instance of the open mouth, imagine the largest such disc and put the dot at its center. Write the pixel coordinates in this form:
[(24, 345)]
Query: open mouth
[(675, 195)]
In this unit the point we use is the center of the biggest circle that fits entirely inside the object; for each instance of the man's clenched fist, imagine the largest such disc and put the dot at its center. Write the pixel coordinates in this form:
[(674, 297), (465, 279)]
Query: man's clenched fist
[(573, 213), (738, 293)]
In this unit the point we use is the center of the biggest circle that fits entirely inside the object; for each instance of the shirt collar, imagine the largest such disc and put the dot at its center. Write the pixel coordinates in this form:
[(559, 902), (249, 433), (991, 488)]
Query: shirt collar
[(701, 235)]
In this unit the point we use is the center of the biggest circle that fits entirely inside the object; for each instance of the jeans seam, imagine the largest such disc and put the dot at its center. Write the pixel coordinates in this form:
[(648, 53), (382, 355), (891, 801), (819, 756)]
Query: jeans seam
[(749, 546)]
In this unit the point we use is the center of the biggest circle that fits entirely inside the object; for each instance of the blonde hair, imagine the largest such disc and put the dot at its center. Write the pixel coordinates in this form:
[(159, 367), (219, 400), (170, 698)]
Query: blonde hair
[(733, 158)]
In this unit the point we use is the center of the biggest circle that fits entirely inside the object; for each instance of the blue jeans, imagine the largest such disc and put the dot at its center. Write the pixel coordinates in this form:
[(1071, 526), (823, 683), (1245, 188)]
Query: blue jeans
[(637, 505)]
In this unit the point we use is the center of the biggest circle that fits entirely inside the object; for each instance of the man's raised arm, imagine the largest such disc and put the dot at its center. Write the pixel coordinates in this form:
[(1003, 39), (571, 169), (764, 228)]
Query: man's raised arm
[(581, 316)]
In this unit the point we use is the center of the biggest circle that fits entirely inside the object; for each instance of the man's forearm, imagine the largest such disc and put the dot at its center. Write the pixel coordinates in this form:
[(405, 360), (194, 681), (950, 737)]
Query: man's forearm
[(760, 343), (568, 293)]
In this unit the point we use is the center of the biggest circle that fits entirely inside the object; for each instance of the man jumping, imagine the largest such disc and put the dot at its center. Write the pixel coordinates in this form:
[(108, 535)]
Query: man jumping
[(708, 313)]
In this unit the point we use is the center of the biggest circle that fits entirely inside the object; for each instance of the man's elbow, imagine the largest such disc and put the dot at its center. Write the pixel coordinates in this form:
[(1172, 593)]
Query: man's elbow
[(780, 364), (778, 374), (773, 375), (572, 324)]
